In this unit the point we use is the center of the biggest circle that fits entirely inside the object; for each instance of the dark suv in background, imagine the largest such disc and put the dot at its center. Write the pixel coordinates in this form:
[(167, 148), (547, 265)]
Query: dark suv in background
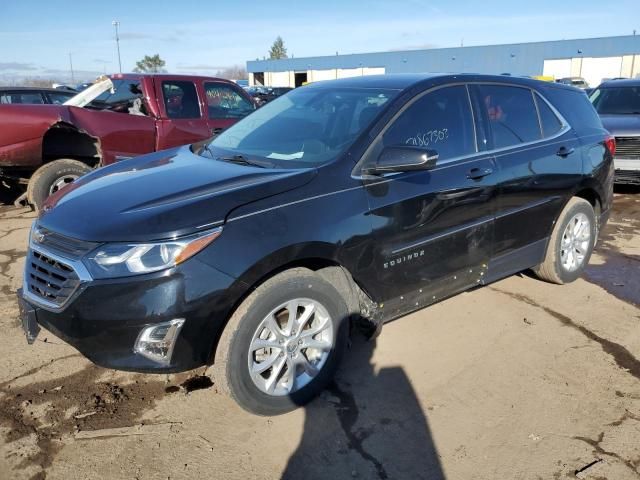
[(618, 103), (355, 199)]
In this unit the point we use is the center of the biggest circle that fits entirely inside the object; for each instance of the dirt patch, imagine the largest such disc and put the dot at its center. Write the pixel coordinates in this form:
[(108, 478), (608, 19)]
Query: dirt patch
[(51, 410), (619, 273), (621, 355)]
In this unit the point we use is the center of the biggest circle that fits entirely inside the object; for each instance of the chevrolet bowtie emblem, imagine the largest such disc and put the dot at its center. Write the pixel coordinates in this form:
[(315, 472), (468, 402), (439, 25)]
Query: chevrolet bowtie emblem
[(39, 236)]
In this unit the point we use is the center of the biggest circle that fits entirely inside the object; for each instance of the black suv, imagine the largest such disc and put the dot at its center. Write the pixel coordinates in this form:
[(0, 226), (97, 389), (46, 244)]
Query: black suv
[(356, 199)]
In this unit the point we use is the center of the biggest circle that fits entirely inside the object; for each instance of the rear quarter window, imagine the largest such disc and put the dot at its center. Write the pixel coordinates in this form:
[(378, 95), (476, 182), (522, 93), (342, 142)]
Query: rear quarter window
[(576, 108), (549, 121)]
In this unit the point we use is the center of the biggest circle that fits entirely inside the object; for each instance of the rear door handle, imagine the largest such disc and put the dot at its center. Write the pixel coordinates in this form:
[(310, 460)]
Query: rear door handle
[(565, 152), (478, 173)]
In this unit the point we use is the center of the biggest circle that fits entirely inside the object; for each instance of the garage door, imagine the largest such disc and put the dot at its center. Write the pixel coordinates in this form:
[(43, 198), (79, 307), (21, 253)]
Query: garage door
[(558, 68), (594, 70)]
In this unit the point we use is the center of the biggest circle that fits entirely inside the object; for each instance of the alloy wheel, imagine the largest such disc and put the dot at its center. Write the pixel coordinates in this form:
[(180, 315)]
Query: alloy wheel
[(575, 242), (290, 346)]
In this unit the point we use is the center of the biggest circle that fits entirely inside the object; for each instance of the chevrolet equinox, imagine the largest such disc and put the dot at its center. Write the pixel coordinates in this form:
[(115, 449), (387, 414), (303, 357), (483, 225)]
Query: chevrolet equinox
[(355, 199)]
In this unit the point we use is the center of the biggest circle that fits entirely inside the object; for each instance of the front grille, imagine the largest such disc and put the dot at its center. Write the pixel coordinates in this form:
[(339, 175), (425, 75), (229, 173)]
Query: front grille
[(62, 245), (627, 147), (628, 176), (50, 279)]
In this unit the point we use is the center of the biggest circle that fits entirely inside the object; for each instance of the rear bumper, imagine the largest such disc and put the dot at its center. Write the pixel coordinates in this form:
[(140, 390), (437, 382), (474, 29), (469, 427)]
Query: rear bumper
[(103, 322)]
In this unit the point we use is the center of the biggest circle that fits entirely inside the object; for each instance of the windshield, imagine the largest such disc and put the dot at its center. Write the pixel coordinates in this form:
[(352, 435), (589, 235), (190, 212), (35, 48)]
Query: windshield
[(308, 126), (617, 100)]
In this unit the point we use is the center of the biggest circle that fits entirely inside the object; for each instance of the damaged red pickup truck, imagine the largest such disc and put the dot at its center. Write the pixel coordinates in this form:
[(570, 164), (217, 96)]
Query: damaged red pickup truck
[(119, 117)]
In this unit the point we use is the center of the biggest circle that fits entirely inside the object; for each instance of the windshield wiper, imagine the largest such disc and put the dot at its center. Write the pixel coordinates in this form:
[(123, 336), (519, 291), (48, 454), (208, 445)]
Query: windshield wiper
[(240, 160)]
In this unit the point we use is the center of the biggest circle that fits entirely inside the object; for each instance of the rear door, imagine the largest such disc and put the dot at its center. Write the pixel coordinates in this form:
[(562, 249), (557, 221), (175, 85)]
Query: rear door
[(183, 119), (225, 105), (539, 164), (433, 228)]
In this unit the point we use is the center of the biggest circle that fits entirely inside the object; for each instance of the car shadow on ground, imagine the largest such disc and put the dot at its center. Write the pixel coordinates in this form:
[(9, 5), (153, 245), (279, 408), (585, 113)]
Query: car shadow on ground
[(368, 424)]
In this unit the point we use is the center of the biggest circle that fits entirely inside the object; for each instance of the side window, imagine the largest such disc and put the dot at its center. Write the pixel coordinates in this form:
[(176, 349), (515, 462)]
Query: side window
[(224, 102), (21, 97), (549, 121), (126, 97), (441, 120), (59, 98), (31, 98), (512, 114), (180, 99)]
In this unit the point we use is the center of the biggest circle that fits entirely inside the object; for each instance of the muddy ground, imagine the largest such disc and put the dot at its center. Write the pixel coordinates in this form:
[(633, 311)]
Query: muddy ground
[(517, 380)]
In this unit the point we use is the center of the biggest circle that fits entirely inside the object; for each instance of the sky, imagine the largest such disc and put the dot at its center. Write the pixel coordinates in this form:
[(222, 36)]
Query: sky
[(37, 36)]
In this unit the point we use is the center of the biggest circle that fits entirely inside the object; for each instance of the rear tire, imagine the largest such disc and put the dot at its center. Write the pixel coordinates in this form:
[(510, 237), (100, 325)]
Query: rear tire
[(313, 368), (570, 245), (51, 177)]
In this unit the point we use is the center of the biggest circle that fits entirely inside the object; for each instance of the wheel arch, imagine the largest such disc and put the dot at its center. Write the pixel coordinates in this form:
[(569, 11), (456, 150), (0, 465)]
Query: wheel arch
[(323, 262), (64, 140)]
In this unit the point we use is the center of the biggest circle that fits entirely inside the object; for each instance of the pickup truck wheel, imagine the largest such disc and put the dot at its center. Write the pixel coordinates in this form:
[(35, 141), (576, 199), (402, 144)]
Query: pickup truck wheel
[(53, 176), (570, 245), (283, 344)]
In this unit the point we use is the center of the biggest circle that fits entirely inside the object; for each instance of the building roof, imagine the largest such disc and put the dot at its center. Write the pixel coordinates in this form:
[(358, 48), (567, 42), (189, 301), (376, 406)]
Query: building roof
[(516, 58)]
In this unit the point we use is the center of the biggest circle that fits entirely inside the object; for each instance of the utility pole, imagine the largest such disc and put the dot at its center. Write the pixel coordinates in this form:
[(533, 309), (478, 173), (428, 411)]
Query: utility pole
[(116, 24), (73, 80)]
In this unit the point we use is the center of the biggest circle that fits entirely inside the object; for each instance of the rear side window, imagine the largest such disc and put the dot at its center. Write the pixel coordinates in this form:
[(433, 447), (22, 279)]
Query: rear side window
[(512, 114), (549, 121), (576, 109), (440, 120), (180, 99), (224, 102)]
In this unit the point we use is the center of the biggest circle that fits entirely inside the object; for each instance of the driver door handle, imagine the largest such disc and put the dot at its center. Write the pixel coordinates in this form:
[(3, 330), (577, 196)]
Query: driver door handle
[(478, 173)]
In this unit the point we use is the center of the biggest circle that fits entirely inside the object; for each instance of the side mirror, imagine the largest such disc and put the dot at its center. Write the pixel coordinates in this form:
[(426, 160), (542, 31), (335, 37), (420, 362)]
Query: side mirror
[(402, 158)]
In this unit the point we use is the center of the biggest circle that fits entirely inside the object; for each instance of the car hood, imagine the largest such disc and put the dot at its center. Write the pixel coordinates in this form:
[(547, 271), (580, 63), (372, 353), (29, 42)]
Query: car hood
[(161, 195), (622, 125)]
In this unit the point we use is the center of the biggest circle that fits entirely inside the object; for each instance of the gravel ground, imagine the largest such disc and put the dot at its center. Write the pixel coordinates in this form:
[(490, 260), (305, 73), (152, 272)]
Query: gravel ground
[(517, 380)]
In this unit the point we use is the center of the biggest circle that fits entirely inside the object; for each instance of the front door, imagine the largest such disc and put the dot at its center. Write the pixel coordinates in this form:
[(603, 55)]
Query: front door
[(183, 119), (433, 228)]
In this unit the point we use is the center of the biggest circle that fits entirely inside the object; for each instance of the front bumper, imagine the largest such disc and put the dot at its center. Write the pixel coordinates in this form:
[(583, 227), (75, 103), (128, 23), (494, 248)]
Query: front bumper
[(627, 170), (104, 319)]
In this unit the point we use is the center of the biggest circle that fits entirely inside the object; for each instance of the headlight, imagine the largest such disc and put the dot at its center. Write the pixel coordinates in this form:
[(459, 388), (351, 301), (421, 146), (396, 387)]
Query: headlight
[(124, 259)]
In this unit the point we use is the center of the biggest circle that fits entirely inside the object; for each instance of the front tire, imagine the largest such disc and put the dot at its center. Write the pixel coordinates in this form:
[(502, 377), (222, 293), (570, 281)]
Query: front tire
[(570, 245), (283, 344), (51, 177)]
